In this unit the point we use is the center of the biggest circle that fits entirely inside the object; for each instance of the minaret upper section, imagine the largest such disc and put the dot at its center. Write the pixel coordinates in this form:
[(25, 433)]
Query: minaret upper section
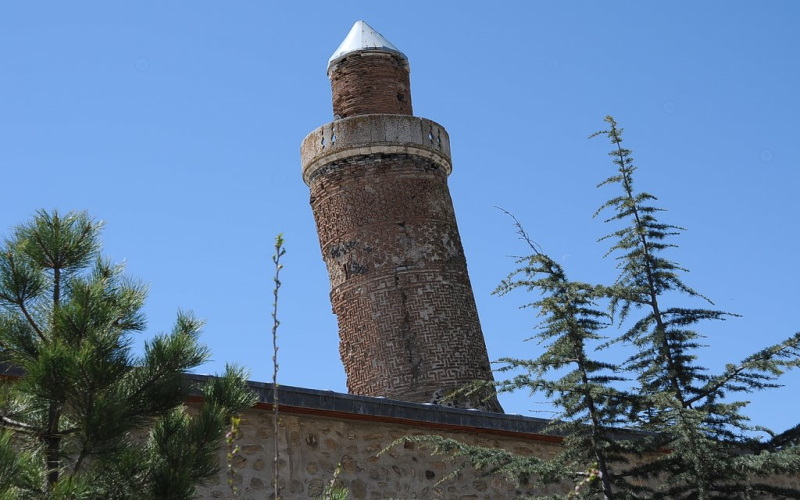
[(369, 75)]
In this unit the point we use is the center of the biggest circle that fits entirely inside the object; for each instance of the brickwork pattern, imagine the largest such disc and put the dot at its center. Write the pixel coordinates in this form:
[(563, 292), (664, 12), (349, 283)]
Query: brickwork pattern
[(313, 447), (408, 324), (369, 83)]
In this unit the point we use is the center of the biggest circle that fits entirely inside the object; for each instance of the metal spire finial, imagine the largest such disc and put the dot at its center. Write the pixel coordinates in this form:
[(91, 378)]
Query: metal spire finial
[(363, 37)]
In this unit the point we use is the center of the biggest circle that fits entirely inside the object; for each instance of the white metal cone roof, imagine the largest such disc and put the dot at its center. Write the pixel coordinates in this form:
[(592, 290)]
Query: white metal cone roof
[(363, 37)]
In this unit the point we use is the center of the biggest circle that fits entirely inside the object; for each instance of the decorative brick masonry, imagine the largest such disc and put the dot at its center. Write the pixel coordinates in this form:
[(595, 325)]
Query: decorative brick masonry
[(408, 324), (371, 82)]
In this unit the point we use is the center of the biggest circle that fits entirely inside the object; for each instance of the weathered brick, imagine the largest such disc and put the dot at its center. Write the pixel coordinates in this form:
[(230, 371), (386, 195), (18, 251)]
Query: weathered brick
[(408, 323), (369, 83)]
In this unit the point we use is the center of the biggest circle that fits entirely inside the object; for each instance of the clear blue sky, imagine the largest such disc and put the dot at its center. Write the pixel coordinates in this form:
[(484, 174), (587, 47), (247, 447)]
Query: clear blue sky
[(179, 123)]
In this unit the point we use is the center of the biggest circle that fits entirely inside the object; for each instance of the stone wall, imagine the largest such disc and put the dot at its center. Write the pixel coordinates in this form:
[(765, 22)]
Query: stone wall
[(321, 431)]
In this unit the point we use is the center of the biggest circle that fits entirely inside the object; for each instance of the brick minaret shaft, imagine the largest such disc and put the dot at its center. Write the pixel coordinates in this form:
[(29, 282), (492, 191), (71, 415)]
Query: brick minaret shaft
[(408, 324)]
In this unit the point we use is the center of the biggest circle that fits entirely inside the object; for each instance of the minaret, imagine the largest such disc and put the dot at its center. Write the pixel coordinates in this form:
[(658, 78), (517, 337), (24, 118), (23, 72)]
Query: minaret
[(408, 324)]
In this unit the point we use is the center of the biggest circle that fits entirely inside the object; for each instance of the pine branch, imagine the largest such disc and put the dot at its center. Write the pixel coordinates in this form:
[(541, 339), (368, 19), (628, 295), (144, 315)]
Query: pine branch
[(16, 425), (755, 369)]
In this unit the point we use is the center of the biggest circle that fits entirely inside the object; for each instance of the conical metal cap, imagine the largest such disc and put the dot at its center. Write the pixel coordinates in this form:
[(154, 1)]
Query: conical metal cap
[(364, 38)]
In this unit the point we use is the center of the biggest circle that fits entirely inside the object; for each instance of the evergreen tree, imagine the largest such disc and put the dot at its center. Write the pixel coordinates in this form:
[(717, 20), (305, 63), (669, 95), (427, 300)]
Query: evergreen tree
[(681, 423), (591, 410), (709, 441), (590, 407), (88, 418)]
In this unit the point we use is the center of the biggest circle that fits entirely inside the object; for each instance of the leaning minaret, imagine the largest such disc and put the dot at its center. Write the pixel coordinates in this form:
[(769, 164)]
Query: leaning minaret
[(408, 325)]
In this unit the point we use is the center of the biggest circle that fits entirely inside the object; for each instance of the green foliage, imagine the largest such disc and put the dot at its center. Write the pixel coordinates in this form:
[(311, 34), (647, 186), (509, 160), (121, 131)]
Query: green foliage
[(89, 419), (526, 471), (17, 469), (678, 433), (233, 450), (708, 437), (334, 491), (590, 406)]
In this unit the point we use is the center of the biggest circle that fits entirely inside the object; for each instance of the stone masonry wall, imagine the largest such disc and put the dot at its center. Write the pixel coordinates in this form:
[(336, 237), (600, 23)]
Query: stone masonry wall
[(316, 441), (312, 447)]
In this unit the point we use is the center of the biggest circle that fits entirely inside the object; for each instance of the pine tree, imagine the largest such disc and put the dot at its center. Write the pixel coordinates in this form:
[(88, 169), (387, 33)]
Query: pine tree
[(681, 423), (711, 448), (591, 409), (88, 418)]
